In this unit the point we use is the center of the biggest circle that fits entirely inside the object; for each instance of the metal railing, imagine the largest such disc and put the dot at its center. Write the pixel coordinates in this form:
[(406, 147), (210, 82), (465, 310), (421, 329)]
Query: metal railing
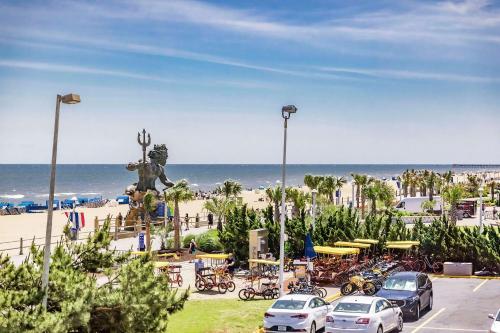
[(117, 229)]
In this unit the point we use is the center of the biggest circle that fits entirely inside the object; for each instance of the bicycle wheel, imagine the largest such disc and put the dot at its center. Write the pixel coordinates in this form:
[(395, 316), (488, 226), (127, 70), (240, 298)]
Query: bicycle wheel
[(437, 267), (222, 287), (243, 294), (420, 266), (180, 280), (250, 292), (323, 292), (369, 288), (200, 284), (347, 289), (267, 294), (230, 286), (276, 293)]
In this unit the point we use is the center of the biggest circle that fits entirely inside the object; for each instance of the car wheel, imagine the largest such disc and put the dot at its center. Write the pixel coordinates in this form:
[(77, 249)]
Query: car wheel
[(431, 301), (313, 328), (416, 316), (400, 324), (380, 329)]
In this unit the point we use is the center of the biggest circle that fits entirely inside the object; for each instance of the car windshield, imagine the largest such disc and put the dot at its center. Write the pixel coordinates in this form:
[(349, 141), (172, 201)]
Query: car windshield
[(498, 316), (288, 304), (352, 307), (401, 283)]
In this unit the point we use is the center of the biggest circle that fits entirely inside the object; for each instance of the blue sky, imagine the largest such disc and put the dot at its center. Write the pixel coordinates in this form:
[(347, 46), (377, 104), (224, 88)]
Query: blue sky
[(374, 81)]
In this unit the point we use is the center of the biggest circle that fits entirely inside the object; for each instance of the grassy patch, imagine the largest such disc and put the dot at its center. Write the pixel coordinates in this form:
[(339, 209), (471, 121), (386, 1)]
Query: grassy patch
[(219, 316)]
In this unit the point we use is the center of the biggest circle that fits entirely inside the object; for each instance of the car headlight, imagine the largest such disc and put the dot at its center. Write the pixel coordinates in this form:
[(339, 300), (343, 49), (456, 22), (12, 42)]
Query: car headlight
[(414, 299)]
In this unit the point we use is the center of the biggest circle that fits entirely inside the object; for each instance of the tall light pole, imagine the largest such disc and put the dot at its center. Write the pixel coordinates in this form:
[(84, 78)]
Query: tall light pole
[(66, 99), (314, 192), (481, 208), (286, 111)]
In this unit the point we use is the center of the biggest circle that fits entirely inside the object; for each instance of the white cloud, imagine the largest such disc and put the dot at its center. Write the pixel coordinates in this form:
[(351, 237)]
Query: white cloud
[(412, 75), (42, 66)]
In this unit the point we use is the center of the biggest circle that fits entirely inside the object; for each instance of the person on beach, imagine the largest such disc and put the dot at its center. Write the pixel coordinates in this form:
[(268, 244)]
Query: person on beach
[(186, 220), (210, 220), (192, 248)]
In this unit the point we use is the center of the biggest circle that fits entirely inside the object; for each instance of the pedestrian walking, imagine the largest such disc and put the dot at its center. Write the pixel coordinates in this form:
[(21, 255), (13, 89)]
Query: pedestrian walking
[(192, 248), (210, 220), (186, 221)]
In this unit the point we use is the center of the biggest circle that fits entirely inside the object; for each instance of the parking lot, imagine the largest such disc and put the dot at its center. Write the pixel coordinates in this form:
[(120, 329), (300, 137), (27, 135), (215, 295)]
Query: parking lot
[(460, 305)]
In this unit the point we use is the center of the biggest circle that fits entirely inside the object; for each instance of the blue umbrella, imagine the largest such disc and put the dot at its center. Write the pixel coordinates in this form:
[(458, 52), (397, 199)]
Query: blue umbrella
[(309, 248)]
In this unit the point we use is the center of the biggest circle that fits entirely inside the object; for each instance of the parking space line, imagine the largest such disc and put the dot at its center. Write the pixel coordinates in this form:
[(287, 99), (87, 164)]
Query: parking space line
[(333, 297), (479, 286), (449, 329), (418, 328)]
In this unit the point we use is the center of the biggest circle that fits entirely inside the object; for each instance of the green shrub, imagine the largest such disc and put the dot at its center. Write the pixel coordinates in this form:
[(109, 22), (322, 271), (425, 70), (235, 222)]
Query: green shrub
[(209, 242), (187, 239)]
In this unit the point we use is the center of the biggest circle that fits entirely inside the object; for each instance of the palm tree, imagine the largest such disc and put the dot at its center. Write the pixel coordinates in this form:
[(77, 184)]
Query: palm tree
[(431, 181), (413, 183), (327, 187), (422, 180), (230, 188), (361, 182), (377, 190), (274, 195), (298, 198), (356, 178), (219, 207), (371, 192), (313, 182), (493, 185), (452, 194), (149, 202), (180, 192), (405, 181), (473, 184), (447, 177)]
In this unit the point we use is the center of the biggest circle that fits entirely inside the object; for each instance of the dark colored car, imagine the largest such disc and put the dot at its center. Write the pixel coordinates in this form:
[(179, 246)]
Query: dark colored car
[(411, 291)]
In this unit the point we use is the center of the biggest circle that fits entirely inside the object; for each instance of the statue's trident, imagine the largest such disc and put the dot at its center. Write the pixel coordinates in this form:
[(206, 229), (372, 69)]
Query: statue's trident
[(144, 143)]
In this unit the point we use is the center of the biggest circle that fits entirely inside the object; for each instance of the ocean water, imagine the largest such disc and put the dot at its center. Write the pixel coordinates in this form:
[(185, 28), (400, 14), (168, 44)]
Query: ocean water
[(19, 182)]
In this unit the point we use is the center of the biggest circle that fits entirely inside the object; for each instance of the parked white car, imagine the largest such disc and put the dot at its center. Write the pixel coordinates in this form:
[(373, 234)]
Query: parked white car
[(296, 313), (495, 326), (364, 314)]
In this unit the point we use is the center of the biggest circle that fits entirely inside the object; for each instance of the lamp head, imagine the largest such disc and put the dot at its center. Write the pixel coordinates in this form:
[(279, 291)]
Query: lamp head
[(289, 109), (70, 99)]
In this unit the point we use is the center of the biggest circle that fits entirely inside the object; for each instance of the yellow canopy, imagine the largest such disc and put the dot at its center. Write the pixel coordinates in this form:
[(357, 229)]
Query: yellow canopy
[(400, 246), (263, 262), (403, 242), (213, 256), (336, 250), (166, 255), (160, 264), (353, 244), (139, 253), (368, 241)]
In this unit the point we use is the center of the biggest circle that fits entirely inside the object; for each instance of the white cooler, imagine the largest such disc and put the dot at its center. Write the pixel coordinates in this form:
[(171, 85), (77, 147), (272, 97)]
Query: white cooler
[(457, 268)]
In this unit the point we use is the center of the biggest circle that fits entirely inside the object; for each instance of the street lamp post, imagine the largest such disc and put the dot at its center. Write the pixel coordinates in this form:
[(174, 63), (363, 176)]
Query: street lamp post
[(286, 111), (66, 99), (314, 192), (481, 208)]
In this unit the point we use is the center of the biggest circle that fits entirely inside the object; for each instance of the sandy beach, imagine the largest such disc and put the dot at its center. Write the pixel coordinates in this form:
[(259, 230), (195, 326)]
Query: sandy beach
[(29, 225)]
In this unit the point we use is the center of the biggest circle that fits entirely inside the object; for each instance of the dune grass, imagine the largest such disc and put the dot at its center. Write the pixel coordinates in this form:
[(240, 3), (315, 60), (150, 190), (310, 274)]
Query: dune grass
[(219, 316)]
